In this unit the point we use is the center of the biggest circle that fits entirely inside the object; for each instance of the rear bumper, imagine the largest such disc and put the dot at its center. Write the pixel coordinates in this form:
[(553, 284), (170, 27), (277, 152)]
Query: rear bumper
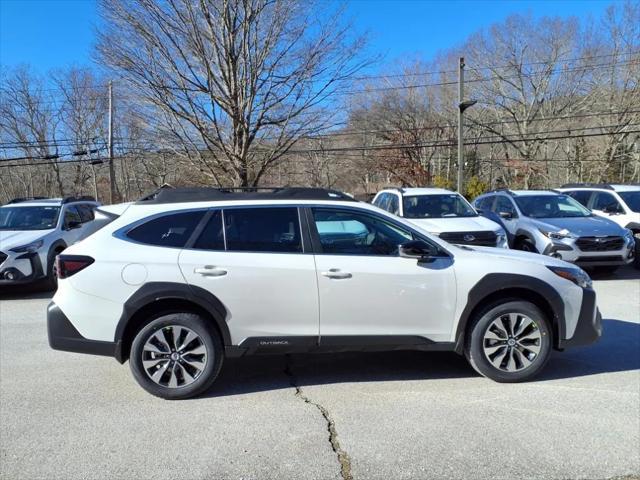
[(589, 326), (64, 336)]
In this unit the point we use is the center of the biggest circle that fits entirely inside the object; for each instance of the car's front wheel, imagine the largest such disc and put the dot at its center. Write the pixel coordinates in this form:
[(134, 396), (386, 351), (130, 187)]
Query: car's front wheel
[(509, 342), (176, 356)]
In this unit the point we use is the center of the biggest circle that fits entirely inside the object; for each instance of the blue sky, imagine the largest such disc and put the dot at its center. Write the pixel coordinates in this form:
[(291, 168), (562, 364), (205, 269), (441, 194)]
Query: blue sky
[(56, 33)]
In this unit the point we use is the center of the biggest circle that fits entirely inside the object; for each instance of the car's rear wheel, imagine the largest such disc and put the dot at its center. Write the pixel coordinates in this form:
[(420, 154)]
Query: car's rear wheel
[(176, 356), (509, 342)]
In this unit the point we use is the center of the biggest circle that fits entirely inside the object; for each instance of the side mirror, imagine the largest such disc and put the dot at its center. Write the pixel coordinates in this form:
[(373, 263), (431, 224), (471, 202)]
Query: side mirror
[(506, 215), (73, 225), (418, 250)]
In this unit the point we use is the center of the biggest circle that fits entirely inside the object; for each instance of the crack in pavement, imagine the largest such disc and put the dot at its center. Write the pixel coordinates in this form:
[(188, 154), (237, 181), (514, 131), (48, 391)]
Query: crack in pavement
[(343, 457)]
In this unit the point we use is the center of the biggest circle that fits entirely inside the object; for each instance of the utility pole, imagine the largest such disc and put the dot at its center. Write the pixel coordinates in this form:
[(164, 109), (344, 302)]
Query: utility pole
[(462, 106), (112, 173), (460, 136)]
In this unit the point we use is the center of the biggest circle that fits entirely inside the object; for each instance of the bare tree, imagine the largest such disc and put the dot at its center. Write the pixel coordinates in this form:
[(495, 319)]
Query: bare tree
[(235, 83)]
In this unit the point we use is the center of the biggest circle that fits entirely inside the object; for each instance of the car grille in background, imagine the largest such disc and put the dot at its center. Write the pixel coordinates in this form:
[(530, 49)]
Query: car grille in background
[(600, 244), (3, 257), (480, 239)]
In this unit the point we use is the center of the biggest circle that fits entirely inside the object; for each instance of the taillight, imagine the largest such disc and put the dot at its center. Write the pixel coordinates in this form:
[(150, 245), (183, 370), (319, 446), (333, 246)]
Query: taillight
[(67, 265)]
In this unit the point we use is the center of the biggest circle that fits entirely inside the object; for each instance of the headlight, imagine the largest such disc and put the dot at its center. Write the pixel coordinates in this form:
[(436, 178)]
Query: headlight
[(28, 248), (501, 237), (559, 235), (631, 238), (575, 275)]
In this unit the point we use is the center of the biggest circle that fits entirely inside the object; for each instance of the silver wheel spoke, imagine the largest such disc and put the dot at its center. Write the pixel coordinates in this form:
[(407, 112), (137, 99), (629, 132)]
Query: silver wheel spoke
[(195, 363), (522, 326), (167, 363), (497, 360), (199, 350), (523, 358), (188, 339), (511, 363), (490, 350), (153, 362), (532, 347), (160, 338), (493, 336), (158, 373)]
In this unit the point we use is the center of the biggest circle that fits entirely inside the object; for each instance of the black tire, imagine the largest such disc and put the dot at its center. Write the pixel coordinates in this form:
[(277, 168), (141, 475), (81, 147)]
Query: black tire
[(526, 245), (164, 325), (50, 282), (475, 342), (636, 261)]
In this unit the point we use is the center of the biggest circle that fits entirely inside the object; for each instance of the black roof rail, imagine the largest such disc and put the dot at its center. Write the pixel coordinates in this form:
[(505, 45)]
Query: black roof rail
[(604, 186), (82, 198), (168, 194), (26, 199), (505, 190)]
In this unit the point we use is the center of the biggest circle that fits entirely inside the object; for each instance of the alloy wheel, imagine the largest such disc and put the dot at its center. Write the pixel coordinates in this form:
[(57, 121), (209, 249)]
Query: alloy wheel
[(512, 342), (174, 356)]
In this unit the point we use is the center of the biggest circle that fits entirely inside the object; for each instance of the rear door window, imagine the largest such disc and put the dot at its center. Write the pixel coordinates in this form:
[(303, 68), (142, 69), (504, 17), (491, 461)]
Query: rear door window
[(171, 230), (212, 237), (273, 230)]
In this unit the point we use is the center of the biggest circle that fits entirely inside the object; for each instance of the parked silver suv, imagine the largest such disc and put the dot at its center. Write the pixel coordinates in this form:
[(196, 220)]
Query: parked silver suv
[(554, 224)]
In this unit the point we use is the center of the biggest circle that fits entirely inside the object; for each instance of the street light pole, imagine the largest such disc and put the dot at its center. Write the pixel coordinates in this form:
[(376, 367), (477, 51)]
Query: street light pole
[(112, 173), (460, 137), (462, 106)]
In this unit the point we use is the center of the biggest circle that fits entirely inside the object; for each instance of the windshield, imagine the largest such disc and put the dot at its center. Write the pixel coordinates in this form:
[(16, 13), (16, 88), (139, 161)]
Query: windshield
[(551, 206), (28, 218), (632, 199), (437, 206)]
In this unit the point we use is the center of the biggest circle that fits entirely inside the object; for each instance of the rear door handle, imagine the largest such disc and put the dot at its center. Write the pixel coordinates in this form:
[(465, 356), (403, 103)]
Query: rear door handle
[(336, 273), (210, 271)]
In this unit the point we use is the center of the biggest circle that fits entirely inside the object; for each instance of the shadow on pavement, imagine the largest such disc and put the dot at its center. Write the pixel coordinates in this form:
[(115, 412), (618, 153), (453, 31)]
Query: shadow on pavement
[(618, 350), (23, 293), (623, 273)]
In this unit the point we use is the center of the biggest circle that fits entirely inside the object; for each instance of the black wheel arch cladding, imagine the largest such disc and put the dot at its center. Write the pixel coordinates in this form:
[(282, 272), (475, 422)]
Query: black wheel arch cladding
[(513, 286), (154, 292)]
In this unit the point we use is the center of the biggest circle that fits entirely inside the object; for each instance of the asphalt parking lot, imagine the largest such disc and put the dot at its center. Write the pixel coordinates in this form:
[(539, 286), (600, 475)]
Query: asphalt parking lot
[(384, 415)]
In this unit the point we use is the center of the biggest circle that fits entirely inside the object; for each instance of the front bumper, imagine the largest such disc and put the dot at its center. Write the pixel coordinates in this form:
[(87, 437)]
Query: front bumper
[(10, 274), (64, 336), (568, 251), (589, 326)]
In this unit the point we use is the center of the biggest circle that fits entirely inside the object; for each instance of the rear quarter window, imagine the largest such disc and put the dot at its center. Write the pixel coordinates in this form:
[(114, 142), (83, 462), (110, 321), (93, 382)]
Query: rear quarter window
[(172, 230)]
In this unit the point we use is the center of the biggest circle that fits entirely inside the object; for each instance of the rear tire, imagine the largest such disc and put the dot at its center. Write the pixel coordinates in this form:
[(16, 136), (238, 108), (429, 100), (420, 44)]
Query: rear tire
[(176, 356), (509, 342)]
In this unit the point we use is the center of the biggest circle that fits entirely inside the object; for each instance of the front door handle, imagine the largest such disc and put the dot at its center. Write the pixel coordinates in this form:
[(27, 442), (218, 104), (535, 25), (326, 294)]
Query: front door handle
[(336, 273), (210, 271)]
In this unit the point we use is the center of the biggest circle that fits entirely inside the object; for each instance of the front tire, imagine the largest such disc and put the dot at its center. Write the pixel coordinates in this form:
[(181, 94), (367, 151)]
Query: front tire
[(526, 245), (509, 342), (176, 356)]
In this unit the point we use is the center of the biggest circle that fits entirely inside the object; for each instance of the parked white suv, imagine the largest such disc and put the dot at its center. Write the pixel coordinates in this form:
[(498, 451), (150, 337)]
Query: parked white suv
[(197, 275), (443, 213), (619, 203), (34, 230)]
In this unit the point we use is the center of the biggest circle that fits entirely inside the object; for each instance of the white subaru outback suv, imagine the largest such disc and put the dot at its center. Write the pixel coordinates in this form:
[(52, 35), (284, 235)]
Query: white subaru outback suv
[(197, 275), (34, 230)]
